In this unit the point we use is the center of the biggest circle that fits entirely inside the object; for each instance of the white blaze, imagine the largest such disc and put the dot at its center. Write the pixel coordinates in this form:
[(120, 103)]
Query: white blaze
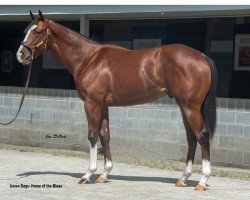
[(18, 54)]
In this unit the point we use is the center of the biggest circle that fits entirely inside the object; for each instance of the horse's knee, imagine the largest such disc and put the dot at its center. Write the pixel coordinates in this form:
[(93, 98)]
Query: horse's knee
[(93, 138)]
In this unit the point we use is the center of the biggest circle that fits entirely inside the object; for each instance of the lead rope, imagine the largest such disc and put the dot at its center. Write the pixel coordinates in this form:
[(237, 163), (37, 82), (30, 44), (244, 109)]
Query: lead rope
[(24, 93)]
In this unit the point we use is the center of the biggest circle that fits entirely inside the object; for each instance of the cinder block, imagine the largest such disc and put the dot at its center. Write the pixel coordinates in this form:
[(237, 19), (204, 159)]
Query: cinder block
[(13, 133), (221, 129), (80, 118), (174, 137), (246, 157), (181, 128), (75, 128), (24, 133), (155, 125), (9, 102), (64, 106), (154, 145), (243, 118), (226, 142), (121, 132), (234, 156), (29, 103), (172, 149), (118, 112), (170, 126), (127, 123), (63, 127), (35, 135), (163, 114), (36, 114), (69, 117), (132, 133), (141, 124), (134, 113), (3, 112), (40, 104), (47, 115), (57, 116), (218, 155), (4, 132), (247, 104), (76, 106), (215, 142), (223, 103), (247, 131), (176, 115), (1, 101), (227, 117), (231, 104), (41, 125), (235, 130), (139, 144), (24, 114), (240, 104), (115, 122), (52, 105), (242, 144), (148, 114)]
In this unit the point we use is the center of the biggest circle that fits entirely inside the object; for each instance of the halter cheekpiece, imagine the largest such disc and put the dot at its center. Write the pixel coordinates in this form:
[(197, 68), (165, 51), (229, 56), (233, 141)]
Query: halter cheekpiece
[(33, 48)]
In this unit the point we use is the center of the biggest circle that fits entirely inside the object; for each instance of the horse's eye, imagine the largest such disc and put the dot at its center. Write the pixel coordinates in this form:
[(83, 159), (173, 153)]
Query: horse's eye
[(38, 32)]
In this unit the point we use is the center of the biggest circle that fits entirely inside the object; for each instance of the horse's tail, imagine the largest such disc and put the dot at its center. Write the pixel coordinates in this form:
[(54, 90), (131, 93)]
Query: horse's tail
[(208, 109)]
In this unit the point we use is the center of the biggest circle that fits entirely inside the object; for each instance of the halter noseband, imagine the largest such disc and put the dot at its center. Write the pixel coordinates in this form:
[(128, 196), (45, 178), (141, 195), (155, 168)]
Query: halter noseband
[(33, 48)]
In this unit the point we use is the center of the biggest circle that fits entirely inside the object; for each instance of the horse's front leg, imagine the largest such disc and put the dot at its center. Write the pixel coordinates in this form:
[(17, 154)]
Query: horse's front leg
[(105, 138), (93, 113)]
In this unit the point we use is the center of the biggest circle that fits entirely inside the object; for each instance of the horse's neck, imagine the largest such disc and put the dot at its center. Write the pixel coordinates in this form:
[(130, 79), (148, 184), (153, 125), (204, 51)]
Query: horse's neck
[(72, 49)]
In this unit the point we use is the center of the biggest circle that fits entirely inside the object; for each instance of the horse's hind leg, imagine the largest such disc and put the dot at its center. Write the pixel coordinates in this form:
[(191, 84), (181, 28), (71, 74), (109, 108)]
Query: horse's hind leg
[(105, 138), (194, 120), (192, 143), (93, 113)]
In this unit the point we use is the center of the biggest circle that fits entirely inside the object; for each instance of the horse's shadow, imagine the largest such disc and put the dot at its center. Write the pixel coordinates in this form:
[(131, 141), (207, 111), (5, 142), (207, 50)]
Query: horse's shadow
[(190, 183)]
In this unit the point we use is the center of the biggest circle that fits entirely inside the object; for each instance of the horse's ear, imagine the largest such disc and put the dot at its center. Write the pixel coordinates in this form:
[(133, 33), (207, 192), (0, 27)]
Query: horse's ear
[(41, 15), (32, 16)]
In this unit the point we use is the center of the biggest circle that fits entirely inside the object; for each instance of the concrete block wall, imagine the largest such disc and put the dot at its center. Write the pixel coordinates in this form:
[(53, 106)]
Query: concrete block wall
[(55, 118)]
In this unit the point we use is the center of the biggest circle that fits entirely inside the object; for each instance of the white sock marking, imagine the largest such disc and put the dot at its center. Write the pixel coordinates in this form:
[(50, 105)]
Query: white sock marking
[(206, 172), (92, 162), (107, 168), (187, 172)]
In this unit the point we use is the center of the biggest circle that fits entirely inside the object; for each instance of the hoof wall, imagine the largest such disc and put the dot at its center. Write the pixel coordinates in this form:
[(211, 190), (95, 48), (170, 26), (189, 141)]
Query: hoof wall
[(200, 187), (101, 180), (180, 184), (83, 181)]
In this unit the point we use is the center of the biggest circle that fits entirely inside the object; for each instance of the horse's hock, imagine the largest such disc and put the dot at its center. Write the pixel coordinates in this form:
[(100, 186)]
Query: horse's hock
[(152, 130)]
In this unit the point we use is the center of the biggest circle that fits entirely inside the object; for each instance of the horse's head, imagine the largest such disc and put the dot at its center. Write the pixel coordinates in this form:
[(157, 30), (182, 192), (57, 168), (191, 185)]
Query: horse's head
[(35, 41)]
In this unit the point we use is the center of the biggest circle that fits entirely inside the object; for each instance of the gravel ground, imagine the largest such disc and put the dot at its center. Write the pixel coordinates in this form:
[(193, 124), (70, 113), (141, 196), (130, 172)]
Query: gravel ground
[(25, 175)]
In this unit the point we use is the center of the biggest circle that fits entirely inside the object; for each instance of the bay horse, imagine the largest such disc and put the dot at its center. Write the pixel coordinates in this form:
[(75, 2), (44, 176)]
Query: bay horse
[(109, 75)]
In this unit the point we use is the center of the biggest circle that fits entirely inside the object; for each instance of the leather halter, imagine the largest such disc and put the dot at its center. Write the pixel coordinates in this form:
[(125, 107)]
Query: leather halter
[(32, 49)]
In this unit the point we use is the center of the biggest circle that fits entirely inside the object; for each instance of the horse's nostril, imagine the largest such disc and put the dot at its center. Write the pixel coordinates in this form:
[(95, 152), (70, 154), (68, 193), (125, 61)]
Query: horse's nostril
[(22, 56)]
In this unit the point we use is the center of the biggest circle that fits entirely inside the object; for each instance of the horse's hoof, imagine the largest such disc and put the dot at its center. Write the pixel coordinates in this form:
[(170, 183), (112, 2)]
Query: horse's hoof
[(200, 187), (180, 184), (84, 181), (101, 180)]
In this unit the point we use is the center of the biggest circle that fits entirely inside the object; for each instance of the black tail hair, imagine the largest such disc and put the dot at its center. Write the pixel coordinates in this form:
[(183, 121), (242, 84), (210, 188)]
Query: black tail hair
[(208, 109)]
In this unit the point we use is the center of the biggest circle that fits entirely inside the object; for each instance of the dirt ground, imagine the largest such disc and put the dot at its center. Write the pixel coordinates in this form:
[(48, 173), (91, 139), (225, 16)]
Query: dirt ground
[(25, 175)]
